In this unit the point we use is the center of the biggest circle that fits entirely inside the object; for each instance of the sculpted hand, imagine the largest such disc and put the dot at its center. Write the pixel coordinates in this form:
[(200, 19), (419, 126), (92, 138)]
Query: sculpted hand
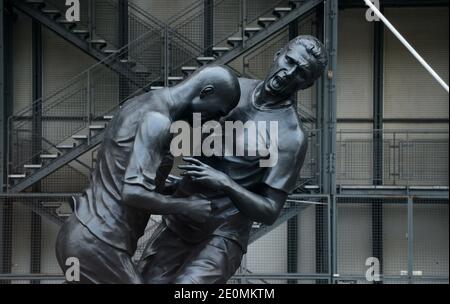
[(199, 209), (204, 174)]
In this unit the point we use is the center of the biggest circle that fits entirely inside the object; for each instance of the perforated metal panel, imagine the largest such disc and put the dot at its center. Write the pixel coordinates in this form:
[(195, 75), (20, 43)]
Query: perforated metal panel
[(22, 75), (355, 68), (410, 91)]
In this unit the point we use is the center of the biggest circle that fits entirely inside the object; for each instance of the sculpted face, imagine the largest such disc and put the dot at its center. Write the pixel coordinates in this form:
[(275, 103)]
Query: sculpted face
[(291, 71)]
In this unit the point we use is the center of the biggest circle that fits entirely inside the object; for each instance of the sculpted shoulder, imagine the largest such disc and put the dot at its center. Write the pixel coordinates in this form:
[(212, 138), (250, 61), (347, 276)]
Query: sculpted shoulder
[(156, 122), (293, 137)]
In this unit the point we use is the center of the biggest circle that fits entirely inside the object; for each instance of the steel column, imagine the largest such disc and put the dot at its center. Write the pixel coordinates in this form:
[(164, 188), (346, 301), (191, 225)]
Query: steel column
[(36, 229), (410, 238), (377, 165), (328, 119), (292, 224), (208, 27), (3, 117), (123, 41), (5, 86), (6, 211)]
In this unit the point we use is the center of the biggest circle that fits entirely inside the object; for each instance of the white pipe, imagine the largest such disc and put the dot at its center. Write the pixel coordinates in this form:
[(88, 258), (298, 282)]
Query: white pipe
[(406, 44)]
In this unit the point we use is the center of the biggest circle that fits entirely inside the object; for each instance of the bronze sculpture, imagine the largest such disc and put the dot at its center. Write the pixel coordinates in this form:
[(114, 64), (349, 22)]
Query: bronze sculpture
[(241, 191), (113, 211)]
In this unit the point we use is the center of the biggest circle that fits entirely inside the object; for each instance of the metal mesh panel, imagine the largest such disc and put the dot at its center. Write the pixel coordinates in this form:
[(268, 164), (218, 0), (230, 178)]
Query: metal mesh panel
[(28, 233), (81, 103), (58, 181), (106, 21), (309, 174), (414, 158), (298, 243), (152, 224), (371, 227), (430, 245)]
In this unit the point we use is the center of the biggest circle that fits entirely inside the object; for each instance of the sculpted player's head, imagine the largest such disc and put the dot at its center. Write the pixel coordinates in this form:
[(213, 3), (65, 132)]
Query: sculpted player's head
[(217, 91), (296, 67)]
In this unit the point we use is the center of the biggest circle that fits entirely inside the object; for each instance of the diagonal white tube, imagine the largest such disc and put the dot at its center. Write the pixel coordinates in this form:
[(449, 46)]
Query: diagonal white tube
[(407, 45)]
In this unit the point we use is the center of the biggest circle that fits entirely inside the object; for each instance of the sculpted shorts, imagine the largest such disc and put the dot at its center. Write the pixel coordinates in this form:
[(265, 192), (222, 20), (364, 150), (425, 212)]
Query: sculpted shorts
[(99, 262), (169, 259)]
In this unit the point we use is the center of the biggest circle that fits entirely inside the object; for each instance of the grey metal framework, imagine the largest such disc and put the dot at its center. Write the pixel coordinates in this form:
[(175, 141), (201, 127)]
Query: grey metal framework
[(379, 172)]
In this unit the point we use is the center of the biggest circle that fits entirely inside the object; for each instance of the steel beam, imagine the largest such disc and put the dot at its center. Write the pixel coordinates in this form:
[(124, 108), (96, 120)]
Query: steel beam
[(57, 163), (394, 3), (286, 215)]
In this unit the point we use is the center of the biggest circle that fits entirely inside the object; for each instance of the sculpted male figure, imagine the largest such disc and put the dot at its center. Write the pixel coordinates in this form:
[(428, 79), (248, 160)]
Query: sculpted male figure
[(113, 211), (241, 190)]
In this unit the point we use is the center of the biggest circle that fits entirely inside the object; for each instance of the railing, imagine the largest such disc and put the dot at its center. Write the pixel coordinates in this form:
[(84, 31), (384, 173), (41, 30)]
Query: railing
[(89, 96), (328, 239), (392, 157), (229, 18)]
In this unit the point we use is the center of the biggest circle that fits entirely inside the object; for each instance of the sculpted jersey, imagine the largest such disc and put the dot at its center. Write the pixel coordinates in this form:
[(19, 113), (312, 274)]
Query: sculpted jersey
[(127, 155), (246, 170)]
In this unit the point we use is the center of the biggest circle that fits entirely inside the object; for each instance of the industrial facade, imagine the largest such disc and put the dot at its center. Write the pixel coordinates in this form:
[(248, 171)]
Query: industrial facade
[(375, 181)]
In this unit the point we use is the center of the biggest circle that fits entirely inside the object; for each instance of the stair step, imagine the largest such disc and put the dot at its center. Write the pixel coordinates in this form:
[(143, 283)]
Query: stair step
[(219, 50), (64, 214), (33, 166), (282, 11), (296, 3), (175, 78), (204, 60), (129, 62), (65, 147), (48, 156), (39, 3), (234, 41), (83, 33), (110, 52), (251, 31), (156, 88), (69, 24), (266, 21), (17, 176), (99, 42), (96, 127), (51, 204), (53, 13), (188, 70), (80, 137)]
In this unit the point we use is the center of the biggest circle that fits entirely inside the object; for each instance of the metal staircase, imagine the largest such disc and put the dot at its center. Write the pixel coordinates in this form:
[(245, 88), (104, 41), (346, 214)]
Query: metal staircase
[(82, 35), (229, 45), (74, 102), (87, 133)]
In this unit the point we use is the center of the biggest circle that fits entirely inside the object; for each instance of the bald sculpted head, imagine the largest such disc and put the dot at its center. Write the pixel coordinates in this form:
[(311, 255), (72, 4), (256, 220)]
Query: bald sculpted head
[(216, 89)]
